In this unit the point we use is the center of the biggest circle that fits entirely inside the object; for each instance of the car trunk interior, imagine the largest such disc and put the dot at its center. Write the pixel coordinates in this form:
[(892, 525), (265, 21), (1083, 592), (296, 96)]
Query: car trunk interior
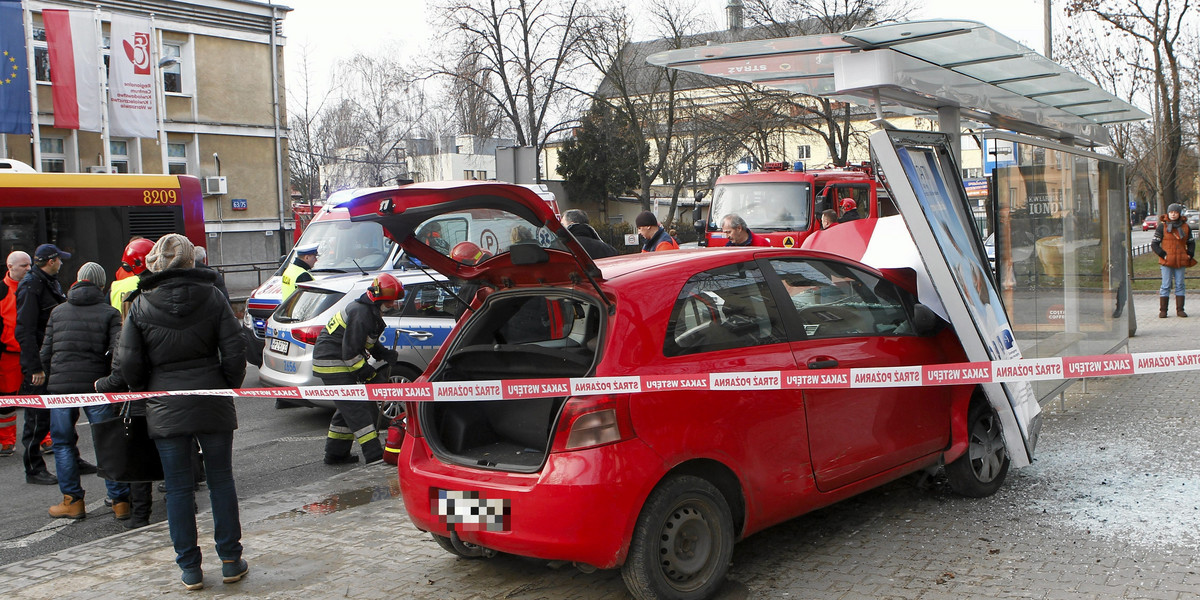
[(513, 336)]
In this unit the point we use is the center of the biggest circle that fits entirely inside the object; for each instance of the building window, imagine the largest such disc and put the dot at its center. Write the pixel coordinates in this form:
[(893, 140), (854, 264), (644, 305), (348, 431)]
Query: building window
[(177, 159), (54, 158), (468, 174), (972, 173), (118, 151), (481, 175), (173, 71), (805, 152)]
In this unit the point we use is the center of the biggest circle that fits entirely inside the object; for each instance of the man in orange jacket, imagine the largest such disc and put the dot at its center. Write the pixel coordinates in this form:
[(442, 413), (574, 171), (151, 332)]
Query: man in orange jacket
[(657, 238), (18, 264)]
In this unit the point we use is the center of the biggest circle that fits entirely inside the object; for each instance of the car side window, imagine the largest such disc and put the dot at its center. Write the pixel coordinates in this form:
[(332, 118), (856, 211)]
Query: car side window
[(729, 307), (836, 300), (429, 300)]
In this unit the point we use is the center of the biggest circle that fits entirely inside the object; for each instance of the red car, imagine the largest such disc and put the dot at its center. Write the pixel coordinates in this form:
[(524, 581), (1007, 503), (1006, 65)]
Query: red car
[(1151, 222), (662, 483)]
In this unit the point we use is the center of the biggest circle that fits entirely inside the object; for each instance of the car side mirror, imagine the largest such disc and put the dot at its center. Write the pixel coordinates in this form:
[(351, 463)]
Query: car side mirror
[(925, 321)]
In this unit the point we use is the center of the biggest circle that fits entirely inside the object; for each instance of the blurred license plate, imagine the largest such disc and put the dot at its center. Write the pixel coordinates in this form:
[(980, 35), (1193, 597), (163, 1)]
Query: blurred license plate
[(470, 511), (280, 346)]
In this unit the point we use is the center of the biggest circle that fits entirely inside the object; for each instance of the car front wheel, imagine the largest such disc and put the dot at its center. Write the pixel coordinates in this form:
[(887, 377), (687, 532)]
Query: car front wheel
[(682, 543), (981, 471)]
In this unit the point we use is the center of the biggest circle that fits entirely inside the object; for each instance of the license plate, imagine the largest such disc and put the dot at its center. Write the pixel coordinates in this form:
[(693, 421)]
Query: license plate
[(280, 346), (470, 511)]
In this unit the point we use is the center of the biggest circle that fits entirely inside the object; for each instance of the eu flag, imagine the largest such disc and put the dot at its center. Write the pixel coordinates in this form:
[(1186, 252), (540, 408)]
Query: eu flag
[(14, 70)]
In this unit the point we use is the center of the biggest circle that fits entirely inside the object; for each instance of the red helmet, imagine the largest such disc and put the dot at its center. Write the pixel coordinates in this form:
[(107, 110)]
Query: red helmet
[(469, 253), (134, 258), (385, 288), (849, 204)]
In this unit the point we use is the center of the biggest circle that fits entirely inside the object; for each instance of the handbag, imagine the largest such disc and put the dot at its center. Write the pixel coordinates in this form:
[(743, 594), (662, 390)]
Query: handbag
[(124, 450)]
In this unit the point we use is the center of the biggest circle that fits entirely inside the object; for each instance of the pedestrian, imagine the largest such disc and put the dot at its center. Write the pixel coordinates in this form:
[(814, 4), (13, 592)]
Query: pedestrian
[(202, 263), (38, 293), (297, 272), (738, 234), (576, 221), (133, 264), (18, 264), (828, 218), (80, 338), (341, 357), (1176, 251), (657, 238), (849, 211), (180, 334)]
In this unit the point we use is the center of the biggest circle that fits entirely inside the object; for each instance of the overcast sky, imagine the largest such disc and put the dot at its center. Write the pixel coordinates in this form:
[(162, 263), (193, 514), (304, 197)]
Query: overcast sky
[(331, 30)]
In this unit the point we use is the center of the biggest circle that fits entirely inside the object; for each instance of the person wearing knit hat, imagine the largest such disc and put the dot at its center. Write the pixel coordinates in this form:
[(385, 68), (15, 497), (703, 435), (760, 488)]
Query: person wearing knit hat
[(1176, 251), (77, 348), (171, 251), (180, 334), (92, 272), (657, 238)]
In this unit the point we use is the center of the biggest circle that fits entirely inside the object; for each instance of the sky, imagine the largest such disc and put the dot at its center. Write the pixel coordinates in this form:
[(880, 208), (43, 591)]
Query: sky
[(327, 31)]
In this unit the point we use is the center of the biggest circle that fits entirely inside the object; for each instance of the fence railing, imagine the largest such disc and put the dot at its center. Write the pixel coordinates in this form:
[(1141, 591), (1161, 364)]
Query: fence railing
[(238, 280)]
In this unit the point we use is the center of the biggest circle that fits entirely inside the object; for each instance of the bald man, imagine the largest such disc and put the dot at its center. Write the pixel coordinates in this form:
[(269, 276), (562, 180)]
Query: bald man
[(18, 265)]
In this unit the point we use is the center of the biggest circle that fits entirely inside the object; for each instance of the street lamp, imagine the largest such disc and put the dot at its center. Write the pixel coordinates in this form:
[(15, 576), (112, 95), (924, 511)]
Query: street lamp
[(161, 101)]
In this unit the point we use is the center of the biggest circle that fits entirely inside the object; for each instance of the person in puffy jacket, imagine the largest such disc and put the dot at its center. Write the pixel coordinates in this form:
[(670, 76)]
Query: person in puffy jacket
[(1176, 251), (80, 337), (180, 334)]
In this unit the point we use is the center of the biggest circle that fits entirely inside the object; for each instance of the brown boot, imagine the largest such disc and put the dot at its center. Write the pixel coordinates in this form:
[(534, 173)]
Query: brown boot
[(1163, 302), (1179, 307), (121, 509), (71, 508)]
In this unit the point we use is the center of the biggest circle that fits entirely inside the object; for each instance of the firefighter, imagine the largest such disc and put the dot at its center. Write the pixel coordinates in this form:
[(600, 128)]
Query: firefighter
[(297, 272), (469, 253), (341, 356), (849, 211), (133, 264)]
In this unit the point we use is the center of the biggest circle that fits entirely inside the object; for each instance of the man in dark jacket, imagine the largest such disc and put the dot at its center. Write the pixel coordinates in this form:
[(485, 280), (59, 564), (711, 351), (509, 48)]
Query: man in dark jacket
[(38, 294), (849, 211), (80, 338), (180, 334), (576, 221), (340, 358)]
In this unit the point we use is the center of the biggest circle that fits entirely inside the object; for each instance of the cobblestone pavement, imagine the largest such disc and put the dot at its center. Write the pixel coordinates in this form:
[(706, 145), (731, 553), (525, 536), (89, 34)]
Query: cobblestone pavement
[(1110, 509)]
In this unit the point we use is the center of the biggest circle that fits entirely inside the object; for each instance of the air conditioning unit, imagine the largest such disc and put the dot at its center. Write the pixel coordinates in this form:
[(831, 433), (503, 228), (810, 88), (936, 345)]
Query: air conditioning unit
[(214, 185), (102, 169)]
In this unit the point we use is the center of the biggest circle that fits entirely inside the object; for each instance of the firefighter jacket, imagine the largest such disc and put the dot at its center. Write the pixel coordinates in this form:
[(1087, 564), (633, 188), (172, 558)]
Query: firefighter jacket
[(348, 338), (297, 272), (180, 334), (10, 352), (80, 339), (38, 294), (1173, 243), (120, 289)]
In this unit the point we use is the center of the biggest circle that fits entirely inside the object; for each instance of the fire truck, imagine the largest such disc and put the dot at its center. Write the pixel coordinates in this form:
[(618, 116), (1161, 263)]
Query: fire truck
[(784, 205)]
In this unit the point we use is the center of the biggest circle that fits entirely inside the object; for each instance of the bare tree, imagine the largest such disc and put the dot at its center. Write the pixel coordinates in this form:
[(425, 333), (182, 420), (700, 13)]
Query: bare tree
[(306, 152), (1156, 25), (475, 112), (522, 55)]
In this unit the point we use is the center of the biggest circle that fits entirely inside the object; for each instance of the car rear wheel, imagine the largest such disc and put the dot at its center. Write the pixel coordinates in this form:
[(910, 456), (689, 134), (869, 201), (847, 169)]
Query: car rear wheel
[(981, 471), (682, 543)]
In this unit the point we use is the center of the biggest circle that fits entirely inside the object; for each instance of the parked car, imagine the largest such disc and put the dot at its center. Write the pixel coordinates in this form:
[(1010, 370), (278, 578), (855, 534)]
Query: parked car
[(1151, 222), (416, 327), (662, 483), (1193, 219)]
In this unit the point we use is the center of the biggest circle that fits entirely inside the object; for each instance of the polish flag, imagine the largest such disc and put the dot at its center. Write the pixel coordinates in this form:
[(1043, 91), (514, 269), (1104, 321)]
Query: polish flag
[(74, 68)]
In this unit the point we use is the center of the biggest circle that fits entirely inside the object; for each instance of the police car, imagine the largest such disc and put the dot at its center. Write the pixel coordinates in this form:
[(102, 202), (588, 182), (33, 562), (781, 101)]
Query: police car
[(416, 326)]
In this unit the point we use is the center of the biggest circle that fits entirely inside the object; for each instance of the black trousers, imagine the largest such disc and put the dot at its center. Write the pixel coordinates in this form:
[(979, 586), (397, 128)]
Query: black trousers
[(37, 425), (352, 421)]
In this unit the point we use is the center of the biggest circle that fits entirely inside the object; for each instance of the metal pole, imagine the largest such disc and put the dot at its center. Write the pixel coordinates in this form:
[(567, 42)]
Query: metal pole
[(1048, 25)]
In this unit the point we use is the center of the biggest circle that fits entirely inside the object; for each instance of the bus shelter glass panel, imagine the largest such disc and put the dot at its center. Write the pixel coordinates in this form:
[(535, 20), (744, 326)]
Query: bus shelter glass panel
[(1061, 251)]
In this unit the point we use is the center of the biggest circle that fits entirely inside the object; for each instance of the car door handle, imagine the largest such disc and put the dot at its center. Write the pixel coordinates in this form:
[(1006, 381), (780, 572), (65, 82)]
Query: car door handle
[(823, 363), (420, 336)]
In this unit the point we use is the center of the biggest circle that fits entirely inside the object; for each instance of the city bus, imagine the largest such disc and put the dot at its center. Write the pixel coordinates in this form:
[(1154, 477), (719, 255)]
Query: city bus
[(93, 216)]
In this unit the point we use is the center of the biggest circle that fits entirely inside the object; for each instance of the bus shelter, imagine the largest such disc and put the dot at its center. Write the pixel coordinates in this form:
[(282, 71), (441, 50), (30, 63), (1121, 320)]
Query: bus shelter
[(1058, 210)]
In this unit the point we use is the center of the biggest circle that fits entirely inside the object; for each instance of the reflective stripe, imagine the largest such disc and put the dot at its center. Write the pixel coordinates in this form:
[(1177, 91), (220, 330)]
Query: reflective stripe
[(341, 436), (366, 438), (338, 320), (340, 429), (365, 430), (338, 366)]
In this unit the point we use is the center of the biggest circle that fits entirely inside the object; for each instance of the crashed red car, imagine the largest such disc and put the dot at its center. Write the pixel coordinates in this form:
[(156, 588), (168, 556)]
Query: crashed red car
[(662, 483)]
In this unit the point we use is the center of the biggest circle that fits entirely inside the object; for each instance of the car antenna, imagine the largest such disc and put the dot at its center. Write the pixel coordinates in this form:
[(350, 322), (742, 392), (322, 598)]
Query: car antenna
[(361, 270)]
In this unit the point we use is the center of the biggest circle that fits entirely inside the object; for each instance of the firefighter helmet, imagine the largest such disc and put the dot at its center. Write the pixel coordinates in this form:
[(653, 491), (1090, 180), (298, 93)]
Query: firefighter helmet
[(134, 257), (469, 253), (849, 204), (385, 288)]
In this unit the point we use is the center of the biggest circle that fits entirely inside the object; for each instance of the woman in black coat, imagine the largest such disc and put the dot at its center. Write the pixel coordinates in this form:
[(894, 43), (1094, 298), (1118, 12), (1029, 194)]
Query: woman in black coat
[(180, 334)]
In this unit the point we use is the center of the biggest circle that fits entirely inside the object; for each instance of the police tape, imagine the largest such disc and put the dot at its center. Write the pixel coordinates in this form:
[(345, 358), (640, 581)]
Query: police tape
[(969, 373)]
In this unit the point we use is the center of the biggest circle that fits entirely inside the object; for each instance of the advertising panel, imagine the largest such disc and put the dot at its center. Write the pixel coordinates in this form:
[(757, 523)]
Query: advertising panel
[(920, 172)]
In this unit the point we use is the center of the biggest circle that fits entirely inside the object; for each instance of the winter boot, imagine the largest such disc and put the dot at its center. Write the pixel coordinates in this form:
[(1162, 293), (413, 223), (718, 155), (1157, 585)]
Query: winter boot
[(1179, 307), (1163, 301), (70, 508)]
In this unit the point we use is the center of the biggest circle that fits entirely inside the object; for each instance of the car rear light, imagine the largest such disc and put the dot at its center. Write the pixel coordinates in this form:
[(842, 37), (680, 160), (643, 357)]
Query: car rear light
[(411, 427), (307, 335), (593, 421)]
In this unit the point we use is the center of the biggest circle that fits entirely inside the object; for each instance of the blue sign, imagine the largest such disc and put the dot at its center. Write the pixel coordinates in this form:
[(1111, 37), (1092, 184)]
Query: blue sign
[(240, 204), (1132, 204)]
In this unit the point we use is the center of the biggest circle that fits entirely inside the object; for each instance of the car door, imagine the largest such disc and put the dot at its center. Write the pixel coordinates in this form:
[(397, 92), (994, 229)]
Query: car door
[(850, 318), (423, 322)]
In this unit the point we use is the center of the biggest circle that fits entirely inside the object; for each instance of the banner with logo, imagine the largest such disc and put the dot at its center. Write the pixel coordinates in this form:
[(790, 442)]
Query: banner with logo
[(74, 48), (14, 72), (131, 109)]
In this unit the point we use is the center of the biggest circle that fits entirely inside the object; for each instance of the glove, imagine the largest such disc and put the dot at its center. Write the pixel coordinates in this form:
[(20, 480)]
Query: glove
[(365, 374), (389, 356)]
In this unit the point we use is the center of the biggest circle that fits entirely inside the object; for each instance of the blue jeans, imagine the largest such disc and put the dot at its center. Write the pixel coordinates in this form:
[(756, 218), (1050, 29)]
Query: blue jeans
[(66, 452), (176, 455), (1169, 273)]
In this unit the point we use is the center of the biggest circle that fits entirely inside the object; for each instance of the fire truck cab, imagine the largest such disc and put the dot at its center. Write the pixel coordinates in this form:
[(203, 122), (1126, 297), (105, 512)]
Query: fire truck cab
[(784, 205)]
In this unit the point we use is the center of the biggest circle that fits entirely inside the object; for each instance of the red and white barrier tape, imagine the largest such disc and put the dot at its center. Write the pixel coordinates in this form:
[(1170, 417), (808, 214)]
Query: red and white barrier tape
[(1038, 369)]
